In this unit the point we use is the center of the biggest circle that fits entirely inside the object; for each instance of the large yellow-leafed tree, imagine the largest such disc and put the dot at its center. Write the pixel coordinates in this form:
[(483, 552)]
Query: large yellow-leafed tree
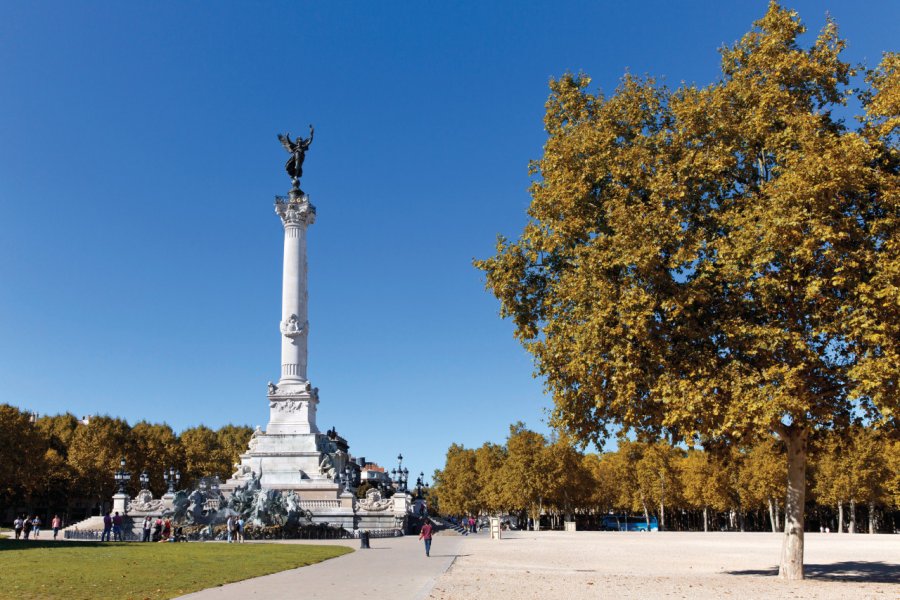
[(569, 485), (892, 481), (529, 475), (657, 476), (202, 455), (875, 319), (158, 448), (456, 485), (850, 468), (489, 461), (21, 457), (94, 455), (695, 260), (604, 485), (704, 480), (761, 478)]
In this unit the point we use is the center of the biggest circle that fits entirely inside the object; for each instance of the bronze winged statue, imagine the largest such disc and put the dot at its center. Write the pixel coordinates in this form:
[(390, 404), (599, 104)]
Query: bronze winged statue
[(297, 149)]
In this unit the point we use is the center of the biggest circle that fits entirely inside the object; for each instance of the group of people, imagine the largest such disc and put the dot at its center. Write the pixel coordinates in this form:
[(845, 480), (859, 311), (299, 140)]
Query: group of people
[(157, 530), (112, 524), (467, 523), (26, 526), (234, 527)]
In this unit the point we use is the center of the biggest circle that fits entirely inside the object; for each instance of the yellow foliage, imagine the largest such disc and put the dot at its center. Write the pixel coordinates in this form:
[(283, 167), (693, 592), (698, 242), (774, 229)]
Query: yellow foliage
[(714, 261)]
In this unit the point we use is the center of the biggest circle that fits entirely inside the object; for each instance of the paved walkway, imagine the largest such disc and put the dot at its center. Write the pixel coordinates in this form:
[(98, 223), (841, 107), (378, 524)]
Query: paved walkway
[(395, 568)]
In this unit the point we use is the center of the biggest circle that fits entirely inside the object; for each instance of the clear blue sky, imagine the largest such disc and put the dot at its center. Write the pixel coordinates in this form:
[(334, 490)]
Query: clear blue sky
[(140, 258)]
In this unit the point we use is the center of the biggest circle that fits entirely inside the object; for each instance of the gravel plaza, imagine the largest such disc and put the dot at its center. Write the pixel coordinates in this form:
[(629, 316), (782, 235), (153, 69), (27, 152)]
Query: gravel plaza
[(587, 564)]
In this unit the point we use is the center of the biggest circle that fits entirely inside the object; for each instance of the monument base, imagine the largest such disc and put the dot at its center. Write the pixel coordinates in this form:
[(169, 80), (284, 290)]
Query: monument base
[(307, 463)]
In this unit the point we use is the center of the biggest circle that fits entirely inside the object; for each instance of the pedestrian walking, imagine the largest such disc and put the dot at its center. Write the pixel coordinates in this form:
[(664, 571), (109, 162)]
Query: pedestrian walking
[(36, 526), (107, 527), (240, 530), (425, 534), (56, 523), (157, 529), (26, 528), (229, 527), (147, 526), (18, 524)]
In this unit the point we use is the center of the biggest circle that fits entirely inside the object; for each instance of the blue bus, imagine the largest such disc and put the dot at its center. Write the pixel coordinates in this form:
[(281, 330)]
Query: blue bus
[(626, 523)]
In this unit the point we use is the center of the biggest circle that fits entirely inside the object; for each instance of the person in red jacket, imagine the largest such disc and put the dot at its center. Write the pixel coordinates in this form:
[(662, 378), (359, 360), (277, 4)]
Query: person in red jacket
[(425, 534)]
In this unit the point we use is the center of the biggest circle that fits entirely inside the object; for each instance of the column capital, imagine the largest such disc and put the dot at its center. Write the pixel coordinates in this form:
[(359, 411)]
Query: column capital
[(295, 210)]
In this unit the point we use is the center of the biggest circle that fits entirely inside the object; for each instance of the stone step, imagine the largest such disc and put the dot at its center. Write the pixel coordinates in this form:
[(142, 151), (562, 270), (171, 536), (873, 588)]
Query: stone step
[(94, 523)]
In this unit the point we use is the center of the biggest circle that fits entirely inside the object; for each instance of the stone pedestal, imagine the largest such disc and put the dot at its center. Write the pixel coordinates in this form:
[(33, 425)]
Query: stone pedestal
[(496, 530), (401, 503), (305, 462), (120, 501)]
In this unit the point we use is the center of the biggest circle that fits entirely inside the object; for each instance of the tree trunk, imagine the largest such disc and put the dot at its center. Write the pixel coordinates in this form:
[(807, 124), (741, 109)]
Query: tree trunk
[(840, 517), (705, 518), (772, 518), (791, 567), (777, 516), (871, 517), (662, 516), (852, 516), (646, 514)]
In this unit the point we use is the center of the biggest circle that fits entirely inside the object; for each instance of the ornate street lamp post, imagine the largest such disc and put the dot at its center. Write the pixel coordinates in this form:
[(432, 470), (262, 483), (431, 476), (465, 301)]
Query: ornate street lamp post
[(348, 477), (172, 477), (420, 483), (122, 476), (145, 479), (400, 474)]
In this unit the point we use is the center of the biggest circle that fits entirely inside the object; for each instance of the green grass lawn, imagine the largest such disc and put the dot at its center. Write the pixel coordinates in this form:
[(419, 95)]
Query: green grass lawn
[(94, 570)]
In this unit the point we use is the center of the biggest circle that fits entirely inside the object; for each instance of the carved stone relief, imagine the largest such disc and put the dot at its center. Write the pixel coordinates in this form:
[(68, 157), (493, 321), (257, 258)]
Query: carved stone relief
[(374, 501), (295, 213), (287, 405), (292, 327), (144, 502)]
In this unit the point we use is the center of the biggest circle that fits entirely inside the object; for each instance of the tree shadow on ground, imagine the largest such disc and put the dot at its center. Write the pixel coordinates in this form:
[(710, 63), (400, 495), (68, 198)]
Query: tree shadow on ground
[(854, 570), (32, 544)]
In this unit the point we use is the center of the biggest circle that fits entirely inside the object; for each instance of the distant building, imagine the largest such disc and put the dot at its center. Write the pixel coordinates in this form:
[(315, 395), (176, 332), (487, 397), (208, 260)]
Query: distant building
[(374, 475)]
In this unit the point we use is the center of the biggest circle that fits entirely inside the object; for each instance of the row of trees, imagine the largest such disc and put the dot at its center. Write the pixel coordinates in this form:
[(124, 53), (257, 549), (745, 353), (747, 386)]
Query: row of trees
[(733, 487), (59, 464)]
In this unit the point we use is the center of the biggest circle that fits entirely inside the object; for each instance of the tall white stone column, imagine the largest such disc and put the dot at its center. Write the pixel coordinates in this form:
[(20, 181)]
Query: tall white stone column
[(292, 402)]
